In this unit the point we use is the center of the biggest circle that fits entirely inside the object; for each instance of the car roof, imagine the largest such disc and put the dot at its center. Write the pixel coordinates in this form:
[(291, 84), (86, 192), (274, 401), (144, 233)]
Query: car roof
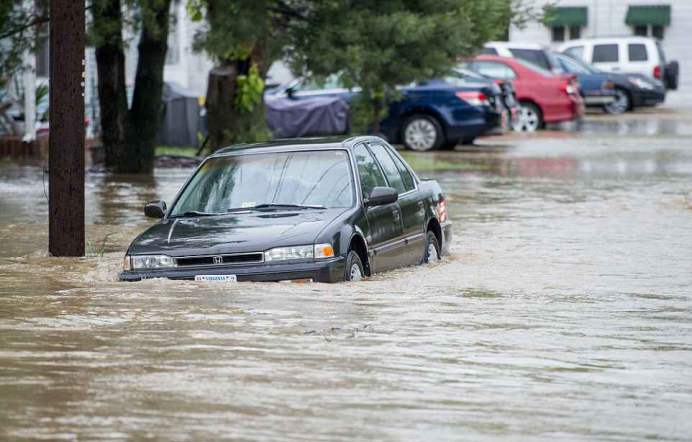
[(295, 144), (599, 40), (517, 45), (488, 57)]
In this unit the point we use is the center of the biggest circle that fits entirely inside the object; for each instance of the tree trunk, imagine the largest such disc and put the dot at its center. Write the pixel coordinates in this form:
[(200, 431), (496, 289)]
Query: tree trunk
[(377, 109), (226, 125), (146, 110), (110, 61)]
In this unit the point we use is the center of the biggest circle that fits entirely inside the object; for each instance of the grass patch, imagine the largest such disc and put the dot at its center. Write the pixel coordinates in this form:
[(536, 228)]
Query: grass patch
[(431, 161), (176, 150)]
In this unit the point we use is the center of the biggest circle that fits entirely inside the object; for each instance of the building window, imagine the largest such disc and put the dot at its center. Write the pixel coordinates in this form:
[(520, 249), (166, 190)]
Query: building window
[(648, 20), (566, 22), (564, 33), (574, 32), (558, 33)]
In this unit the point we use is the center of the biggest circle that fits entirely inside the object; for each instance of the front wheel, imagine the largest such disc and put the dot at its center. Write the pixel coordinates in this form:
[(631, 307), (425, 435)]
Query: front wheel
[(432, 249), (620, 105), (354, 267), (529, 118), (422, 133)]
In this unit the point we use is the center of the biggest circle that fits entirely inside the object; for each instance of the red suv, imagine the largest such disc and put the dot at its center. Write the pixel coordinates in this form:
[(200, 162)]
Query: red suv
[(543, 96)]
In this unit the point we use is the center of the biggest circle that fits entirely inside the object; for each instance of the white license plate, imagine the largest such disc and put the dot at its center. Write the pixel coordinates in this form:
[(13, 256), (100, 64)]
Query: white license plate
[(216, 278)]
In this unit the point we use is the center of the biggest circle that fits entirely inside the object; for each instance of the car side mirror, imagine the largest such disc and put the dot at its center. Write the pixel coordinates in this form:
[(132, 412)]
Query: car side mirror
[(155, 209), (381, 196), (290, 92)]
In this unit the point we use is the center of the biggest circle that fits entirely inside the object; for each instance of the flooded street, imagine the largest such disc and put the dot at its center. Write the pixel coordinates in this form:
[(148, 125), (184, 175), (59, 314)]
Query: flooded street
[(563, 312)]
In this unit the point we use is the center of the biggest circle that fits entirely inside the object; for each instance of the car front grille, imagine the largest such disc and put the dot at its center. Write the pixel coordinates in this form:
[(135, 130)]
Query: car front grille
[(212, 260)]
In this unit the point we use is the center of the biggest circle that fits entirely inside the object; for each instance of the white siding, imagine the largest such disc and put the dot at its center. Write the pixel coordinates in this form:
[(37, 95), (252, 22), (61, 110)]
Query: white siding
[(606, 18)]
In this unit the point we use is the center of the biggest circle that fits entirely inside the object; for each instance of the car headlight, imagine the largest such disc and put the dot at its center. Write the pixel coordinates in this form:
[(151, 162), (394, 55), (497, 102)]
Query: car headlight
[(317, 251), (138, 262), (641, 84)]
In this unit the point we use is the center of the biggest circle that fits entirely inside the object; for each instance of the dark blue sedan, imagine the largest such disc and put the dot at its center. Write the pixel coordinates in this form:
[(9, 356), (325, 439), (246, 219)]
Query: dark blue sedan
[(431, 115), (597, 88)]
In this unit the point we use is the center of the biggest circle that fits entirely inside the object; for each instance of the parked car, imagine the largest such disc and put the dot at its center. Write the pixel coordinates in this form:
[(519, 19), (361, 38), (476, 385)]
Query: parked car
[(539, 55), (543, 97), (510, 105), (597, 88), (627, 55), (429, 116), (302, 209), (631, 90)]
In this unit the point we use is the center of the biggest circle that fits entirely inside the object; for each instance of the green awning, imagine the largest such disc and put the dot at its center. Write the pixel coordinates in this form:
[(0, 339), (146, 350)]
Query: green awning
[(566, 16), (648, 15)]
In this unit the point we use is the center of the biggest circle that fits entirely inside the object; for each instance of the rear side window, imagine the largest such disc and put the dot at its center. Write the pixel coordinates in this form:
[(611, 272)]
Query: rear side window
[(605, 53), (370, 174), (576, 51), (488, 51), (405, 174), (535, 56), (390, 169), (637, 52), (494, 69)]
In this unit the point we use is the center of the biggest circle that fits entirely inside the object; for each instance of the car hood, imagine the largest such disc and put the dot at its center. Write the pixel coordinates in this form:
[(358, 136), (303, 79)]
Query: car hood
[(247, 232)]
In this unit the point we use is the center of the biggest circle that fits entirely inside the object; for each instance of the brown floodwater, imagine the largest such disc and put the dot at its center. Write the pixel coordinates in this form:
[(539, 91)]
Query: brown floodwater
[(564, 311)]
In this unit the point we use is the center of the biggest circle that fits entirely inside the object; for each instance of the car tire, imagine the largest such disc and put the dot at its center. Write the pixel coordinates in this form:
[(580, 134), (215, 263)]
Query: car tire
[(622, 103), (422, 133), (529, 118), (354, 267), (431, 253), (449, 145)]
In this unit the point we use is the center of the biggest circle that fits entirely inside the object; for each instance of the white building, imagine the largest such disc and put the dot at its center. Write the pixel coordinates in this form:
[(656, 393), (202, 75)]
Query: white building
[(668, 20)]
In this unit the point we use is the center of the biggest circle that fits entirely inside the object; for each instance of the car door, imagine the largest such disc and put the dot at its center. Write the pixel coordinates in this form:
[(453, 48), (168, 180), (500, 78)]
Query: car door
[(413, 206), (384, 223), (410, 202)]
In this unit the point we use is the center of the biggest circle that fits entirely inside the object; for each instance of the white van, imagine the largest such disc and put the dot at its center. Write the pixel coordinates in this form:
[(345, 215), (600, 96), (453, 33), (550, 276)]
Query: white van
[(626, 55)]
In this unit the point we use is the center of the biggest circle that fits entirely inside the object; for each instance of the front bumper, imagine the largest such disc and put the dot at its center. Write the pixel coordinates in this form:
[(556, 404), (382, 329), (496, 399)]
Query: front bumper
[(648, 98), (328, 270), (598, 100)]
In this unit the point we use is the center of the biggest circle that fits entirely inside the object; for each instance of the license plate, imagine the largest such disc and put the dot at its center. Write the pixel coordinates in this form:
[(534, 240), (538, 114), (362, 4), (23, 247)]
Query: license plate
[(216, 278)]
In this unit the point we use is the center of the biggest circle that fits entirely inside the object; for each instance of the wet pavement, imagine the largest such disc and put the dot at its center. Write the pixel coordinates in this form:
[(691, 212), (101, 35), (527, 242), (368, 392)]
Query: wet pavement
[(564, 311)]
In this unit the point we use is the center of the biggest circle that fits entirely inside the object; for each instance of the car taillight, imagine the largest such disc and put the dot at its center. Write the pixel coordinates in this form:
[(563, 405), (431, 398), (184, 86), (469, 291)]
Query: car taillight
[(473, 98), (608, 85), (442, 210), (567, 88), (657, 72)]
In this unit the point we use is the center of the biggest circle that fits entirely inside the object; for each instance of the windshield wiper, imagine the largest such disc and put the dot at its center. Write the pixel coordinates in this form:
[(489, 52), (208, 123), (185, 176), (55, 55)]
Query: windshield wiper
[(286, 206), (192, 213)]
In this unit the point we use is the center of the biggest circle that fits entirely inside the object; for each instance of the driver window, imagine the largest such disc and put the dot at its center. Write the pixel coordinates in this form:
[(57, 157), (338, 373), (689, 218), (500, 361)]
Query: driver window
[(370, 174)]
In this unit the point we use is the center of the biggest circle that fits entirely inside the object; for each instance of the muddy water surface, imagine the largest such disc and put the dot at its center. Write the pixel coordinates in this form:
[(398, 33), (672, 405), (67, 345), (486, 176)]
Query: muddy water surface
[(564, 311)]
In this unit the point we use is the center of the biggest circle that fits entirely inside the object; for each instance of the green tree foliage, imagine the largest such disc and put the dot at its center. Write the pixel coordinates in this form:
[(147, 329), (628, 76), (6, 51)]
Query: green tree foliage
[(244, 37), (380, 45)]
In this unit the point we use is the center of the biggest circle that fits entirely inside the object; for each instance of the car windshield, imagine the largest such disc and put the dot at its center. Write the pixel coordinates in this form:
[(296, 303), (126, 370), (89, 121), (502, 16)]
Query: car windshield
[(307, 179), (584, 65)]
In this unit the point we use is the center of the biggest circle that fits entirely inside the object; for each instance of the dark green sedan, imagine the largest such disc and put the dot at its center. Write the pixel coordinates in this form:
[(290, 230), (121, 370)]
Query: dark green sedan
[(320, 210)]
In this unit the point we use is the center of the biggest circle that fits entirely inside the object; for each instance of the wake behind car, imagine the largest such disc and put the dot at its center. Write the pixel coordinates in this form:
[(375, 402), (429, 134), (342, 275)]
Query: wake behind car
[(305, 209)]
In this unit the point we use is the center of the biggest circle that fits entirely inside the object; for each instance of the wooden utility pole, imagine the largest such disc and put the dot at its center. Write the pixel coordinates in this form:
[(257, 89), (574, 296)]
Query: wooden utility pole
[(66, 151)]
